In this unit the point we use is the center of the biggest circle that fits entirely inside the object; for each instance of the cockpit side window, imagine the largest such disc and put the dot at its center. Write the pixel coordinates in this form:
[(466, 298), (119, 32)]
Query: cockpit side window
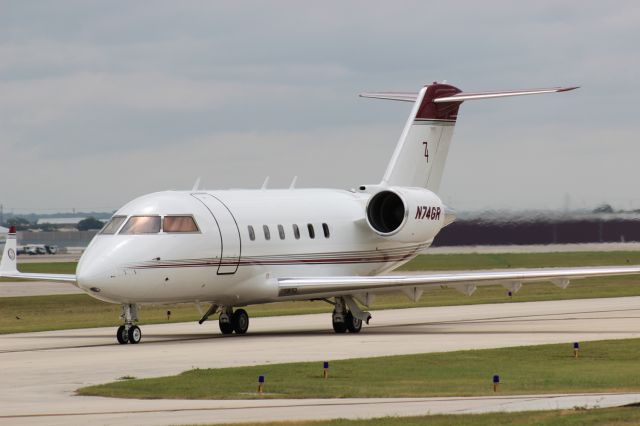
[(142, 225), (180, 224), (112, 226)]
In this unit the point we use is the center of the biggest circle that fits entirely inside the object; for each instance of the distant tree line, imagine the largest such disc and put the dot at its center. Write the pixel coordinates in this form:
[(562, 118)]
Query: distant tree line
[(23, 224)]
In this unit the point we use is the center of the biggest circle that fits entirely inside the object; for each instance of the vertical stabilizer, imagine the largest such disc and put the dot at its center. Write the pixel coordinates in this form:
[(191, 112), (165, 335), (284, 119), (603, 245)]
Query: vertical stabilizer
[(8, 261), (421, 153)]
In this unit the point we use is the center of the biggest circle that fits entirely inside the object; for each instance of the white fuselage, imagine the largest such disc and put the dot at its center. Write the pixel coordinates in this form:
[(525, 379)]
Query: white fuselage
[(222, 263)]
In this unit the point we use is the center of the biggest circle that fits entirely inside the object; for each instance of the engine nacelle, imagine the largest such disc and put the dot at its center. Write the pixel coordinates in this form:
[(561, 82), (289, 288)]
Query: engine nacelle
[(405, 214)]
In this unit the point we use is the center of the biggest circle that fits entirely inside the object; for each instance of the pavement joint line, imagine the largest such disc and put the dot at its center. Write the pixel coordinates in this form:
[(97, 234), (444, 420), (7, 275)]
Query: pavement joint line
[(327, 403)]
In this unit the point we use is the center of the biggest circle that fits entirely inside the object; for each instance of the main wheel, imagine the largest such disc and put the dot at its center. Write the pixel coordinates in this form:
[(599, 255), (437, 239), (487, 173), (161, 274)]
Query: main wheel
[(240, 321), (122, 335), (135, 335), (353, 324), (225, 327), (338, 326)]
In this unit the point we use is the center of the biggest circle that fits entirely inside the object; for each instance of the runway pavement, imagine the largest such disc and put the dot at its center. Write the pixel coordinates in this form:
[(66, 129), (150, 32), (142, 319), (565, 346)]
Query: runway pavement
[(40, 371)]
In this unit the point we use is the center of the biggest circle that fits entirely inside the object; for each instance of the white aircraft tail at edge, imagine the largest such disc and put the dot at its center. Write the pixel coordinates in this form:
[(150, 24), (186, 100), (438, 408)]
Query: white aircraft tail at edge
[(240, 247)]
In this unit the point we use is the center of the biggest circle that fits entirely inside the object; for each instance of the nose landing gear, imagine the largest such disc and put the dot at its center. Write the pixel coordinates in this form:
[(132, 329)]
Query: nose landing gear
[(129, 333)]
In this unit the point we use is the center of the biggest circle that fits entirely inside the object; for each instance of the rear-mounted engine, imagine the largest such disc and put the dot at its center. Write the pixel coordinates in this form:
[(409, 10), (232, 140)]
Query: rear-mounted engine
[(405, 214)]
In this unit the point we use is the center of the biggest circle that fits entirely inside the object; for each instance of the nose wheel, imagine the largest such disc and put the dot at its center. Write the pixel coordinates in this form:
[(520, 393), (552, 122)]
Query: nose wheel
[(129, 333)]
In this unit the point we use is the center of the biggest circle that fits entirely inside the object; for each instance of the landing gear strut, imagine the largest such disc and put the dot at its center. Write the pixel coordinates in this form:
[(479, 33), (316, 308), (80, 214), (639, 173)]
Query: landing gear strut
[(344, 319), (129, 333), (231, 321)]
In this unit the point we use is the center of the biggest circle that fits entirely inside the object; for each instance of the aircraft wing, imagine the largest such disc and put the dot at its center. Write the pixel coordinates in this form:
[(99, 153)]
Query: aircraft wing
[(9, 269), (464, 281)]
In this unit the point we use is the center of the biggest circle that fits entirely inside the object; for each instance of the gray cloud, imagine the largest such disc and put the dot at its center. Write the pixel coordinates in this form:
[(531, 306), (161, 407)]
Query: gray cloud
[(104, 101)]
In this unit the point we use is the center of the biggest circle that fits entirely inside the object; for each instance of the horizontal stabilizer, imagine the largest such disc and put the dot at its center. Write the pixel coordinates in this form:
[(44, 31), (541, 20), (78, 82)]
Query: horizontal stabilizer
[(463, 96), (391, 96)]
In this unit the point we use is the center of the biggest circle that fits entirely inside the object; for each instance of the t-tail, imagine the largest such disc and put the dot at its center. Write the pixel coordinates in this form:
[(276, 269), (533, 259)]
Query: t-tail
[(421, 152)]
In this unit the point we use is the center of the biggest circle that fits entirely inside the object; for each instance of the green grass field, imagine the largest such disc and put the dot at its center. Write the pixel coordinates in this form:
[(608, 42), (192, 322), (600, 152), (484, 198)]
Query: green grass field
[(41, 313), (603, 366), (619, 416)]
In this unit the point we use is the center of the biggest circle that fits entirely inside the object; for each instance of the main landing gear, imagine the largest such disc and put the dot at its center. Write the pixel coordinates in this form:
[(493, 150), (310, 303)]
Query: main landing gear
[(347, 316), (229, 320), (129, 333)]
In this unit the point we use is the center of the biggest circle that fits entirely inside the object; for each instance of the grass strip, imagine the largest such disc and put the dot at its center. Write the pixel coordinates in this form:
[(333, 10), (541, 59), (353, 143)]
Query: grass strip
[(603, 366), (619, 416)]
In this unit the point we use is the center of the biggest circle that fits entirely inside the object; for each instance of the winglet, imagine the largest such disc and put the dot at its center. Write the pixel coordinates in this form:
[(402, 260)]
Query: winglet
[(8, 263)]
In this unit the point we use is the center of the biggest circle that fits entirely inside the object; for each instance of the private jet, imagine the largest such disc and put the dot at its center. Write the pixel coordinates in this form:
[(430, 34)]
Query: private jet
[(227, 249)]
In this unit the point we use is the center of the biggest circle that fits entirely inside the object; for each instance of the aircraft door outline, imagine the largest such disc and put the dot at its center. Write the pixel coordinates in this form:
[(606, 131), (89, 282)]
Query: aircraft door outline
[(229, 232)]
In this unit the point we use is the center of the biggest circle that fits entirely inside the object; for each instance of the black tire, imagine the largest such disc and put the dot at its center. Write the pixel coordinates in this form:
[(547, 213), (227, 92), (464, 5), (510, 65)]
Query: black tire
[(240, 321), (338, 327), (135, 335), (353, 324), (225, 327), (122, 335)]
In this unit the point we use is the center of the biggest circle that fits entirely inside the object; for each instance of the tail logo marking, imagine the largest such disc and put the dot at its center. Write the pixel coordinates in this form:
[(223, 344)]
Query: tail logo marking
[(11, 254), (426, 150)]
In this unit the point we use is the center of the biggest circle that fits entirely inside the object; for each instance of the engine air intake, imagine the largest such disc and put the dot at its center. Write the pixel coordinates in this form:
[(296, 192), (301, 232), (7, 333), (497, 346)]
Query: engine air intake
[(386, 212)]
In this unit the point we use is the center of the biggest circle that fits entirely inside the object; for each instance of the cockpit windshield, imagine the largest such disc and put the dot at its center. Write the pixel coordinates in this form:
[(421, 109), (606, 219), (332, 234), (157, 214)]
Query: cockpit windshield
[(112, 226), (179, 224), (142, 225)]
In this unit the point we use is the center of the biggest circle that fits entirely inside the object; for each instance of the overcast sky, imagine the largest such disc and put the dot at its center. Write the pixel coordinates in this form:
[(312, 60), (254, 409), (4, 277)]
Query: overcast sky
[(101, 102)]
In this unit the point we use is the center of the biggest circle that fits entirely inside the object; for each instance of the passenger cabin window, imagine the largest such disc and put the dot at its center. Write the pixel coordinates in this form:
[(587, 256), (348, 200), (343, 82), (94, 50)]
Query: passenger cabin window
[(141, 225), (267, 234), (296, 231), (312, 232), (325, 228), (179, 224), (112, 226), (252, 234), (281, 232)]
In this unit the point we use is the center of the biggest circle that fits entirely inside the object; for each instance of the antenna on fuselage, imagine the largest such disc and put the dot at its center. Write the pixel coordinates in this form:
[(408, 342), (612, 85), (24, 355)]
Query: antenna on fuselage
[(293, 182), (196, 185), (266, 182)]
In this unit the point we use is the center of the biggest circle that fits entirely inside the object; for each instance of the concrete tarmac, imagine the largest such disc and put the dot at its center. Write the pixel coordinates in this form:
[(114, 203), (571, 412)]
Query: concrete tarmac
[(41, 371)]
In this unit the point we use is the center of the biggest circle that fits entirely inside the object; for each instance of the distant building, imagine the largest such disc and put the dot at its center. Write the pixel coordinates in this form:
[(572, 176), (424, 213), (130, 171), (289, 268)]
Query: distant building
[(62, 221)]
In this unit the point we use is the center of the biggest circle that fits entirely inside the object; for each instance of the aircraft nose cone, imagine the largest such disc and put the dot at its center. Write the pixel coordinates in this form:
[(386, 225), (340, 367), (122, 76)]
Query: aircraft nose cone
[(89, 274), (95, 269)]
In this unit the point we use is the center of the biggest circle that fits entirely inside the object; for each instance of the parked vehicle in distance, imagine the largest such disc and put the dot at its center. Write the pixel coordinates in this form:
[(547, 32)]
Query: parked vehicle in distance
[(33, 249)]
